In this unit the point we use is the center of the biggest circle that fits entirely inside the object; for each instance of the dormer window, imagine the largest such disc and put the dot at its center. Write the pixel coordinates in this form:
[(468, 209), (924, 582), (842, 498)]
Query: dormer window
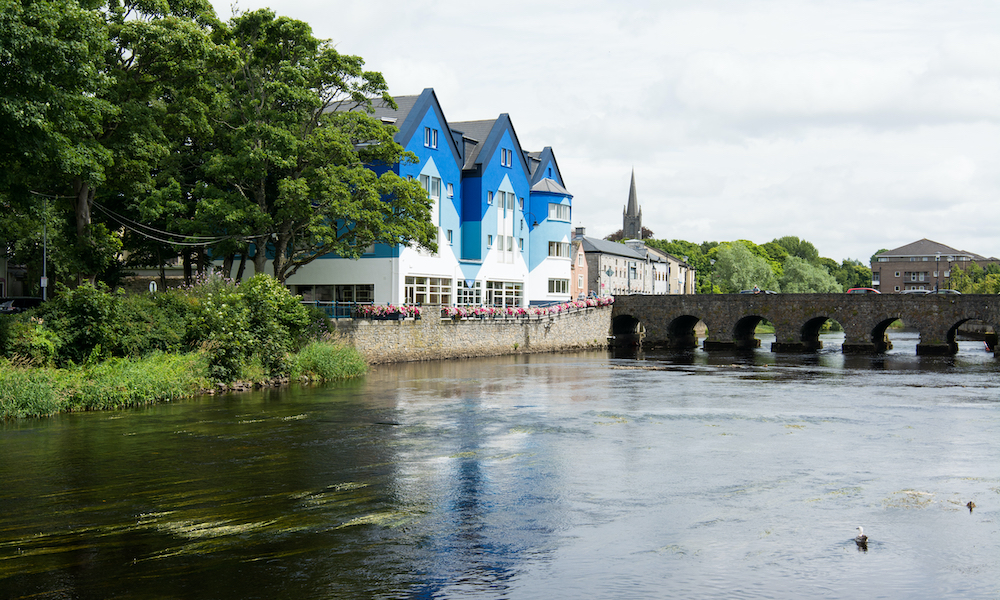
[(430, 137)]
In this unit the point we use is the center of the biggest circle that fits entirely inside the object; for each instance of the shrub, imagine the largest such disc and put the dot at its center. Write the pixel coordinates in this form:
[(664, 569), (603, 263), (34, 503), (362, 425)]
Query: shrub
[(28, 338), (275, 320)]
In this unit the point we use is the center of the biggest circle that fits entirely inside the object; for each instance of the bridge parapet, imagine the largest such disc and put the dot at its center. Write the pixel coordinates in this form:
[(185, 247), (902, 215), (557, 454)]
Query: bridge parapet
[(730, 319)]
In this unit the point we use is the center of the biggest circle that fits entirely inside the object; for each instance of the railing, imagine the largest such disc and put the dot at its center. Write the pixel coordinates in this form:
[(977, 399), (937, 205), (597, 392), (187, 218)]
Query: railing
[(336, 310)]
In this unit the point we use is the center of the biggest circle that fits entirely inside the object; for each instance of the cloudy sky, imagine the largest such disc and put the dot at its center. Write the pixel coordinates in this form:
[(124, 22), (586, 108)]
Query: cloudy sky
[(855, 124)]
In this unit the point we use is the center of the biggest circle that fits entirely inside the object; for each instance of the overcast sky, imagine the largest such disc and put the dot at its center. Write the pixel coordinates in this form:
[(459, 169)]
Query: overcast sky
[(856, 125)]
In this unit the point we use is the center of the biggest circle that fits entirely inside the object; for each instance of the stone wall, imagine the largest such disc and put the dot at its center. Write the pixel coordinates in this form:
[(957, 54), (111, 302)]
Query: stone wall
[(433, 338)]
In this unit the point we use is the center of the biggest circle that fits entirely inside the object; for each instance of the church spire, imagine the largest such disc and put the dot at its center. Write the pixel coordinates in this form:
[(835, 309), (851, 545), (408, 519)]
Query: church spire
[(632, 217), (633, 200)]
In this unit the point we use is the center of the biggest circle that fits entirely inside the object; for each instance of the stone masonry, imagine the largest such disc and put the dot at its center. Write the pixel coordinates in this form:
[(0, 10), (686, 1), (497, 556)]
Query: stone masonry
[(730, 319), (434, 338)]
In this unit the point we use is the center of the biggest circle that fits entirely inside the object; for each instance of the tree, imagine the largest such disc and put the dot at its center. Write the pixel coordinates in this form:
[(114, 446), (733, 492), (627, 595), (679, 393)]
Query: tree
[(802, 277), (619, 235), (737, 269), (800, 248), (298, 156)]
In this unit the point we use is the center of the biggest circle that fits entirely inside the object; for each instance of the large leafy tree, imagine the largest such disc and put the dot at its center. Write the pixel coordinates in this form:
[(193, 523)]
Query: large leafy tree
[(87, 86), (801, 276), (737, 268), (297, 155)]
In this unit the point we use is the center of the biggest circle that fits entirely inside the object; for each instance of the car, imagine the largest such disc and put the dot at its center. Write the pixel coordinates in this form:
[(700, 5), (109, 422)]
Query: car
[(944, 291), (863, 291), (10, 306), (919, 292), (757, 292)]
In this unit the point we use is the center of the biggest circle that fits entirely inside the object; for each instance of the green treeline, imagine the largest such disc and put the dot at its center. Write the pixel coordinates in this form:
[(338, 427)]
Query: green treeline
[(786, 264), (133, 133), (91, 348), (975, 279)]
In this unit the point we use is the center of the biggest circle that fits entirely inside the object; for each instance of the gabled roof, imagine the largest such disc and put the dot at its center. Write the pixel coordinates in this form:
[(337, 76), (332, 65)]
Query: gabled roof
[(614, 248), (408, 115), (540, 158), (482, 138), (551, 186), (926, 247)]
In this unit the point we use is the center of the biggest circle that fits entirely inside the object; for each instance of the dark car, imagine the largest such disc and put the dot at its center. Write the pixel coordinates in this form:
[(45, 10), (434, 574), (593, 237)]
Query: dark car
[(10, 306), (863, 291), (944, 291)]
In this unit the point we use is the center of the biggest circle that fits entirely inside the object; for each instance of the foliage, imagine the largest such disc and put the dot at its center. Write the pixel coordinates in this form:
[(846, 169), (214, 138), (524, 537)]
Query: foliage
[(975, 280), (645, 233), (737, 268), (328, 361), (275, 320), (802, 277), (799, 248), (850, 273), (698, 256)]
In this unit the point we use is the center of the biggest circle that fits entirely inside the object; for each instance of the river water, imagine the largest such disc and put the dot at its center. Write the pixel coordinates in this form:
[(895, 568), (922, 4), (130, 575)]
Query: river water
[(682, 475)]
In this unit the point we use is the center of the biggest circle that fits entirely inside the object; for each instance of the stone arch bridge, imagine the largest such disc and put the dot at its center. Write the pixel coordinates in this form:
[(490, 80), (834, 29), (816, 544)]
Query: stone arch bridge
[(669, 321)]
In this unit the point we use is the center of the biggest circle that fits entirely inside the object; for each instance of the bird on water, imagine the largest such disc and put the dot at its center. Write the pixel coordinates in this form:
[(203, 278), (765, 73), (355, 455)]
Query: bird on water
[(861, 539), (970, 506)]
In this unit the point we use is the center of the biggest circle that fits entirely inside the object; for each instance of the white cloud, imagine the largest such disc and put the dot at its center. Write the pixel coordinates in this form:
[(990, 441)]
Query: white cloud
[(857, 124)]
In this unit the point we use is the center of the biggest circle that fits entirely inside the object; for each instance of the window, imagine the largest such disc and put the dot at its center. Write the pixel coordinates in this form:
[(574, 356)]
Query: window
[(520, 244), (510, 243), (489, 198), (559, 212), (432, 185), (579, 281), (451, 191), (470, 294), (489, 241), (520, 202), (503, 293), (579, 259), (428, 290), (897, 273), (559, 286), (352, 293), (510, 201), (560, 249), (430, 137), (449, 236), (506, 157)]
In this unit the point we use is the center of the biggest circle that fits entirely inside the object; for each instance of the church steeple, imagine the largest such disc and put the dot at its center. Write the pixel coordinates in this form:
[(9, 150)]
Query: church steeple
[(632, 216)]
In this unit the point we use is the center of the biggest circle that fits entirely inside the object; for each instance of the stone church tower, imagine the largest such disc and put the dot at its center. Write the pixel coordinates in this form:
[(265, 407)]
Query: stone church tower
[(632, 217)]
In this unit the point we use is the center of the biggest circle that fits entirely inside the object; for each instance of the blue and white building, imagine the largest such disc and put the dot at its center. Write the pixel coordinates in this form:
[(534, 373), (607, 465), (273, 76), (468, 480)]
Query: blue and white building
[(503, 216)]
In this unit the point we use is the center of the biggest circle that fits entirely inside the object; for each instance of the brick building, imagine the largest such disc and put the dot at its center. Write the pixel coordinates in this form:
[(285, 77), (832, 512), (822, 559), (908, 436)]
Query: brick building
[(921, 265)]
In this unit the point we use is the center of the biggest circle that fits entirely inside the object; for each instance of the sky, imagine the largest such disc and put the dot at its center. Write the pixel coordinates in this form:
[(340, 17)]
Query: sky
[(855, 125)]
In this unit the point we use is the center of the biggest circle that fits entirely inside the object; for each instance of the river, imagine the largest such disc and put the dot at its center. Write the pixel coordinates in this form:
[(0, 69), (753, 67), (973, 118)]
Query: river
[(586, 475)]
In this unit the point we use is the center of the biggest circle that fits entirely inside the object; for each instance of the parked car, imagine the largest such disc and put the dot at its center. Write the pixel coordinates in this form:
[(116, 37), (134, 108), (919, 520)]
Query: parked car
[(944, 291), (757, 292), (919, 292), (863, 291), (10, 306)]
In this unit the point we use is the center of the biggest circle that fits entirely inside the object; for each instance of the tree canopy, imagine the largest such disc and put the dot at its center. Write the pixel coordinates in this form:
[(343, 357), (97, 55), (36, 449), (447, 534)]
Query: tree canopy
[(152, 129)]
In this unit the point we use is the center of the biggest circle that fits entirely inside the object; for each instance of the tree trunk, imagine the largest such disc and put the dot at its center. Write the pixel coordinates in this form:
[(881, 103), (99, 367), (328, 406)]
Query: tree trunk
[(243, 267), (227, 264), (84, 202)]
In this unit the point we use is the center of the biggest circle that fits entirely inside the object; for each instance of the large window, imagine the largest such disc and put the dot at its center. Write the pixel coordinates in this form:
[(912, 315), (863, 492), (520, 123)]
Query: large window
[(559, 212), (470, 295), (560, 249), (428, 290), (430, 137), (503, 293), (559, 286)]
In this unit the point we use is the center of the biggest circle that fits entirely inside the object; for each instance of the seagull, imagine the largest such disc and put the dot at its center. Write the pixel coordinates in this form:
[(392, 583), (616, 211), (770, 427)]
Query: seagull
[(861, 539)]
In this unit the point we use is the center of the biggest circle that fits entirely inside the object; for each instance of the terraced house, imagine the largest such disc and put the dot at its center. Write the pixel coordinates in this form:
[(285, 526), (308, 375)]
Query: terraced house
[(502, 212)]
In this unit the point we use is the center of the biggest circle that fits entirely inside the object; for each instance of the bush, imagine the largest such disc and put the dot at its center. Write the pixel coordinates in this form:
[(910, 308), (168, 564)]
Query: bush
[(29, 339), (275, 319)]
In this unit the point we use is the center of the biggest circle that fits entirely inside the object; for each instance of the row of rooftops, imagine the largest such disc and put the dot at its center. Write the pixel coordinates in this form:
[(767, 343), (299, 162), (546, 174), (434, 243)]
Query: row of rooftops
[(636, 250)]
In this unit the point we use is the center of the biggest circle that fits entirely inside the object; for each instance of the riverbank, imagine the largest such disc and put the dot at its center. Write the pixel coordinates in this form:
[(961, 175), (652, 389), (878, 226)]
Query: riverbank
[(31, 391)]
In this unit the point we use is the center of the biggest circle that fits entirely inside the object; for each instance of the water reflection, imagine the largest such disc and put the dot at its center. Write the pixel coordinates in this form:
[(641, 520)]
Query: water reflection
[(658, 474)]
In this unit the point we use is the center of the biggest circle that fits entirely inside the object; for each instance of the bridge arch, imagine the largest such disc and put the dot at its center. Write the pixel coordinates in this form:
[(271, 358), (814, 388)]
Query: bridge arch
[(681, 332), (744, 332), (627, 330)]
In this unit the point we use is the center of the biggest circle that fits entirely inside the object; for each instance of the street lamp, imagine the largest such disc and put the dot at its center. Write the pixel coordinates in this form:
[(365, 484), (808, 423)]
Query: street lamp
[(937, 273), (711, 279)]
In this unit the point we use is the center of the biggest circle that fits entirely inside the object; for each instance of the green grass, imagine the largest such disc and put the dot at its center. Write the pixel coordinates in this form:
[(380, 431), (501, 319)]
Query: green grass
[(31, 391), (328, 361)]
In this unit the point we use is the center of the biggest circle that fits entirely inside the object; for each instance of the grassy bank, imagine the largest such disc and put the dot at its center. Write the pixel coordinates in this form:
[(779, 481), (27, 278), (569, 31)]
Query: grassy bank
[(30, 391)]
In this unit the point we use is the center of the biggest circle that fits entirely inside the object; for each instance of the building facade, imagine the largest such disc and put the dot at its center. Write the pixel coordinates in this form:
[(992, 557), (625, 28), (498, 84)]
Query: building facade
[(921, 265), (503, 217)]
